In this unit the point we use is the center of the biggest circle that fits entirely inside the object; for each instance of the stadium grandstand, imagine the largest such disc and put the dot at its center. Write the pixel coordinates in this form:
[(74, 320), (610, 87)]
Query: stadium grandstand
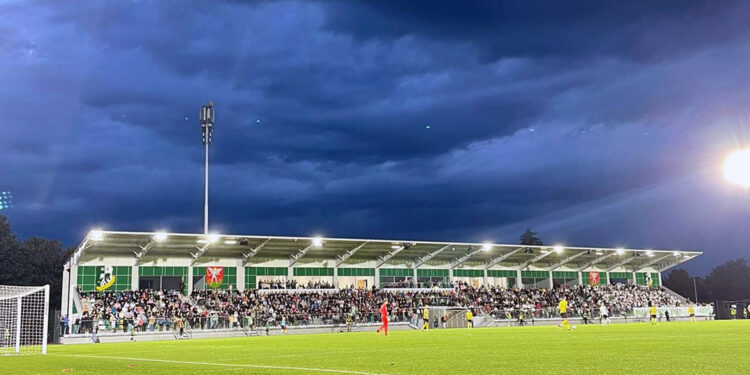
[(156, 281)]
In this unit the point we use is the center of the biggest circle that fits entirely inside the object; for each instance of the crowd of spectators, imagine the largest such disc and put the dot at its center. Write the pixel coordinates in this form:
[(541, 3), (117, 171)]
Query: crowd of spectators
[(150, 310), (293, 284)]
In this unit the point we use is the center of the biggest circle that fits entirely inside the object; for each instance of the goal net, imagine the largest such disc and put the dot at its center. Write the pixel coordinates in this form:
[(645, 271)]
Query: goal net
[(23, 319)]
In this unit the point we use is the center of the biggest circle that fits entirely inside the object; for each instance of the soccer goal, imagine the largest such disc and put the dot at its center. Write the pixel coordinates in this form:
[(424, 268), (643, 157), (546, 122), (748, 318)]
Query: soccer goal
[(23, 319)]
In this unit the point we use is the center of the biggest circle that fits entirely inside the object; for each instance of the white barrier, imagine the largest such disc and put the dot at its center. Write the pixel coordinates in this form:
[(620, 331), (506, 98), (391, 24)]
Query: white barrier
[(644, 312)]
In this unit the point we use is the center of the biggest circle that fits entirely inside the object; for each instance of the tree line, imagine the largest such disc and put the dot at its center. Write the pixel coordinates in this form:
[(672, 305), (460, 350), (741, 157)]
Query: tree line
[(728, 281), (34, 261)]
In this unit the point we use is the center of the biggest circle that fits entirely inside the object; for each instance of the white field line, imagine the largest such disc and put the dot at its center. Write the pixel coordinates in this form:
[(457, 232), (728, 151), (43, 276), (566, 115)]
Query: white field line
[(239, 365)]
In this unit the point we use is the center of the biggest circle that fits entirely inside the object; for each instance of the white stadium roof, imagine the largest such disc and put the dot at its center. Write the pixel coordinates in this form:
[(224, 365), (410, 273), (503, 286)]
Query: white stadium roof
[(349, 251)]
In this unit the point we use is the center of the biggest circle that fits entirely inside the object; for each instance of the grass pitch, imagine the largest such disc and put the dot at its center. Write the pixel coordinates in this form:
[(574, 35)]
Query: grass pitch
[(668, 348)]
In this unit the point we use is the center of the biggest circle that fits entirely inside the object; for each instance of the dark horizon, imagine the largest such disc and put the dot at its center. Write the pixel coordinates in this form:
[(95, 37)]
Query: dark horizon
[(594, 124)]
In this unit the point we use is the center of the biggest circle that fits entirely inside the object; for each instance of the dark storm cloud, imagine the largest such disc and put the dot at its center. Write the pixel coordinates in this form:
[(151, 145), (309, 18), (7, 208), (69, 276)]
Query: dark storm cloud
[(641, 30), (427, 120)]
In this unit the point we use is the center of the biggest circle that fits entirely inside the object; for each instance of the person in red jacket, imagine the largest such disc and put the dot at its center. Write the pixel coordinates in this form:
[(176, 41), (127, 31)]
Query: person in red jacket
[(384, 317)]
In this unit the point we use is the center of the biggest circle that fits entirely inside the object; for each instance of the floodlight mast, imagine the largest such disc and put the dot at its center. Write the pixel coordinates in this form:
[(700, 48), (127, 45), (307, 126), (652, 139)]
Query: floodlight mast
[(207, 126)]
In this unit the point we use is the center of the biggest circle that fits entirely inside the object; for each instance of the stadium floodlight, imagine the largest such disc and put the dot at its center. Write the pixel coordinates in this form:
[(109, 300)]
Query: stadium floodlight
[(317, 241), (160, 236), (230, 242), (486, 247), (620, 251), (737, 168), (676, 253), (207, 126), (213, 238), (599, 253), (558, 249), (649, 253), (96, 235), (6, 200)]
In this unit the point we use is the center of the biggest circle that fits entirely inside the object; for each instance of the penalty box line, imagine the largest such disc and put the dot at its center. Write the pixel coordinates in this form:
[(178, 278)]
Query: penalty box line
[(238, 365)]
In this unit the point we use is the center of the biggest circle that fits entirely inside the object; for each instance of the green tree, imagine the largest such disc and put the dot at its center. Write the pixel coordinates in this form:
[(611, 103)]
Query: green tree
[(729, 281), (682, 283), (35, 261), (529, 238)]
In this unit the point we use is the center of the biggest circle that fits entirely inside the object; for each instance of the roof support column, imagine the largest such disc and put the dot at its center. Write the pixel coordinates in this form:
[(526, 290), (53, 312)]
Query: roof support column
[(135, 278), (72, 285), (415, 279), (549, 280), (519, 280), (336, 276), (240, 284), (580, 278), (377, 277), (190, 280), (484, 277)]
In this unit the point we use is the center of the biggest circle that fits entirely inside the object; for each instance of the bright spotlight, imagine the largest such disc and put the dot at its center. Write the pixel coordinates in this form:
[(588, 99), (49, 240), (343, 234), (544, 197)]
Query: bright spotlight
[(96, 235), (737, 168), (230, 242), (317, 241), (486, 247), (649, 253), (676, 253), (213, 238), (620, 251), (558, 249), (160, 236)]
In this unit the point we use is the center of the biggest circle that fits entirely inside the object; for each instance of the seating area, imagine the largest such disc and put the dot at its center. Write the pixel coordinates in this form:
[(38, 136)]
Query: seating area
[(150, 310)]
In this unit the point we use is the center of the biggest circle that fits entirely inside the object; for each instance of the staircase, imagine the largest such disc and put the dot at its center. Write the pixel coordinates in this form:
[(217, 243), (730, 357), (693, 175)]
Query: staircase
[(683, 300)]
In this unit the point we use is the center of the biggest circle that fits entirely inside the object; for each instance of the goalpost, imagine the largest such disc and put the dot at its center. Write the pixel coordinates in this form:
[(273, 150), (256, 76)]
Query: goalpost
[(24, 319)]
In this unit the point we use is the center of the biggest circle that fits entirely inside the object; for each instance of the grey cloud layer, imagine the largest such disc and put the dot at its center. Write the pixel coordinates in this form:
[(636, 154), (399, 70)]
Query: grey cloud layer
[(570, 121)]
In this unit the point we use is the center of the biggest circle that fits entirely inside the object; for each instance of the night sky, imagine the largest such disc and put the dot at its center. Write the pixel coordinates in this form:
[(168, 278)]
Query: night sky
[(594, 124)]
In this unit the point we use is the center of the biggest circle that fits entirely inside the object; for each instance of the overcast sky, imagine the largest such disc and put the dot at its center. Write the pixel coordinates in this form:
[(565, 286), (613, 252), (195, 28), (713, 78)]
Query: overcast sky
[(594, 124)]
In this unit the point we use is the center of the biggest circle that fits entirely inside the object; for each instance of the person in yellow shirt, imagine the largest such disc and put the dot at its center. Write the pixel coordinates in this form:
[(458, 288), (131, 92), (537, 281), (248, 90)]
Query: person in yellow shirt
[(653, 311), (691, 313), (563, 306), (469, 319), (425, 319)]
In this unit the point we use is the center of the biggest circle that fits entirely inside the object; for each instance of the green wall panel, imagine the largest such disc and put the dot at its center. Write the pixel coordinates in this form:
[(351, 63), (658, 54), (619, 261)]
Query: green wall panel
[(403, 272), (356, 272), (640, 278), (534, 274), (501, 273), (266, 271), (468, 273), (564, 275), (251, 281), (314, 271), (655, 277), (433, 273), (620, 275)]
